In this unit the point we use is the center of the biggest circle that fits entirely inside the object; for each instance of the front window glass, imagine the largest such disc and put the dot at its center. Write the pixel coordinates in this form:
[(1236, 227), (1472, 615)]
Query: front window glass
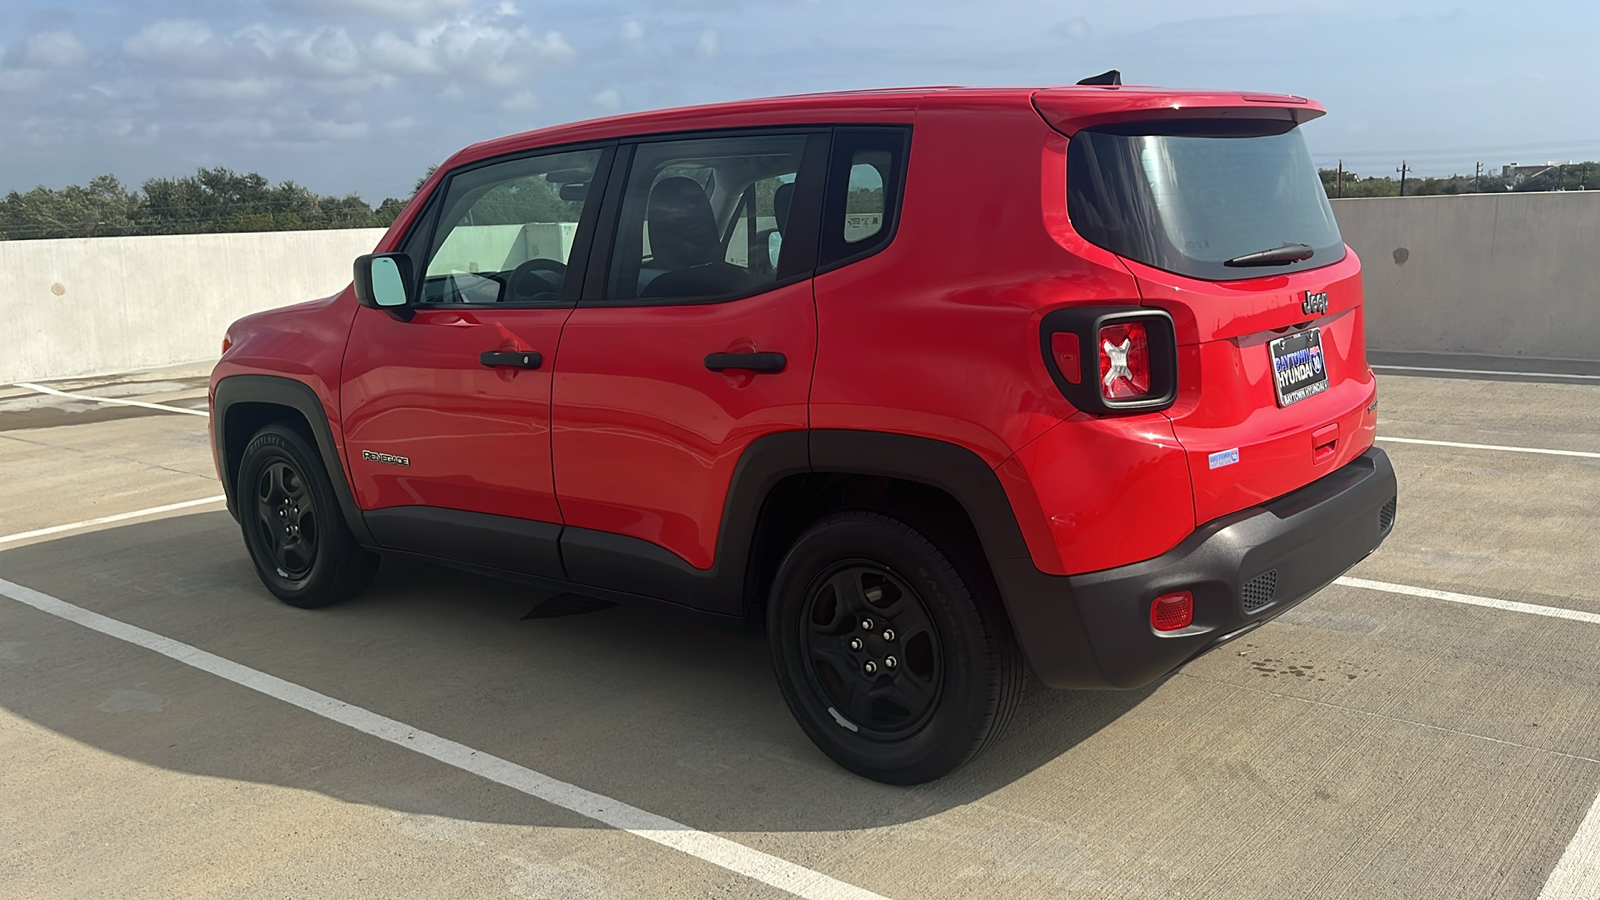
[(1195, 196), (506, 230)]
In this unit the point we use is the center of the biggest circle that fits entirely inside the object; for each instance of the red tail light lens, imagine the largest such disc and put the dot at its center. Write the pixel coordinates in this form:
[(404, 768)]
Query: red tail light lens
[(1171, 612), (1109, 360), (1069, 362), (1124, 362)]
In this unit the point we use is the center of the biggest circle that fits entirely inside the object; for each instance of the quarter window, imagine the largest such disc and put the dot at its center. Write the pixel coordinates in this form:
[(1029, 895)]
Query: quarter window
[(506, 230), (863, 195)]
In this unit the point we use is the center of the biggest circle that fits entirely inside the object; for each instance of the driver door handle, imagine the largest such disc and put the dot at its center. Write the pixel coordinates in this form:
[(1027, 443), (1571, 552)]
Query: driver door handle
[(516, 359), (750, 362)]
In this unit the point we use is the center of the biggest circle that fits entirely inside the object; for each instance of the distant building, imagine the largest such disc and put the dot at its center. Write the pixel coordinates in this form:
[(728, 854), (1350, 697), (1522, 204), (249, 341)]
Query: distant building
[(1516, 174)]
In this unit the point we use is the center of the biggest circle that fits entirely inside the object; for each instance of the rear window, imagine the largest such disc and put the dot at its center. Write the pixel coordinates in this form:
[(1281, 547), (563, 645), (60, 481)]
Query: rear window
[(1186, 197)]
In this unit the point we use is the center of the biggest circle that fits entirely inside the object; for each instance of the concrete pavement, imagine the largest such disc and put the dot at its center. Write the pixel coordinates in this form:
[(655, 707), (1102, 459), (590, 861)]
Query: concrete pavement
[(1363, 745)]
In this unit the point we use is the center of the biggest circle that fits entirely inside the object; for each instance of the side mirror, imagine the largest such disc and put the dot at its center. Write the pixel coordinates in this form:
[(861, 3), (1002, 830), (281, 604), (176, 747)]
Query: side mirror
[(383, 281)]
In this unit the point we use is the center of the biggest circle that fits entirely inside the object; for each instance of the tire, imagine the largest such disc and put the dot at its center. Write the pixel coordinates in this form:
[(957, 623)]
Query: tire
[(908, 707), (296, 534)]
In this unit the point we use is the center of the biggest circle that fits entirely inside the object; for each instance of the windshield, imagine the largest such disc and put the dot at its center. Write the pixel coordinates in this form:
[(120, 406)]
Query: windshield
[(1186, 200)]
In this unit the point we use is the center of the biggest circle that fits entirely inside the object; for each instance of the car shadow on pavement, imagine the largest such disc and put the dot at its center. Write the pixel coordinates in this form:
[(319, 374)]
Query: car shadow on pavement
[(671, 711)]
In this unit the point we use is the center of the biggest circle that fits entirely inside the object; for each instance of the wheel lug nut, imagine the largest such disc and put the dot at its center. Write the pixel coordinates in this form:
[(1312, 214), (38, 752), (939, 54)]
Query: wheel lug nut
[(888, 634), (871, 668), (890, 662), (866, 624), (855, 644)]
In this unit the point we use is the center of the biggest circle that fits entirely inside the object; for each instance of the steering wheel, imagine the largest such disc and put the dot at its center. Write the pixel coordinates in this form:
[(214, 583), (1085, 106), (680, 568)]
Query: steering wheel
[(537, 280)]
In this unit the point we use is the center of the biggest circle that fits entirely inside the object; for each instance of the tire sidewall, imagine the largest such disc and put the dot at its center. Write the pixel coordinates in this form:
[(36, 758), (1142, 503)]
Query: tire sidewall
[(278, 443), (967, 698)]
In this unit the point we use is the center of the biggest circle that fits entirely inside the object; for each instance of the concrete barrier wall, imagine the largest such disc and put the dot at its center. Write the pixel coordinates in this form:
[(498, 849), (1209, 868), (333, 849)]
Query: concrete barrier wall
[(1505, 275), (137, 302), (1493, 274)]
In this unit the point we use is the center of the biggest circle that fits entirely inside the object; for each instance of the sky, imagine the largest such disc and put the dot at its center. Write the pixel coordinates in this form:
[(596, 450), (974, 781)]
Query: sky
[(361, 96)]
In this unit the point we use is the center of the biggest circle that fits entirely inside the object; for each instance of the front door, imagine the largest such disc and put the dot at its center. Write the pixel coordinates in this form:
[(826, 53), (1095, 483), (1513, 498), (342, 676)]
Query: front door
[(450, 411)]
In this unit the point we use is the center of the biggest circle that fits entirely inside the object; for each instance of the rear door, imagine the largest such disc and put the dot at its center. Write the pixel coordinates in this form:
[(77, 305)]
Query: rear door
[(695, 337), (1224, 224), (450, 411)]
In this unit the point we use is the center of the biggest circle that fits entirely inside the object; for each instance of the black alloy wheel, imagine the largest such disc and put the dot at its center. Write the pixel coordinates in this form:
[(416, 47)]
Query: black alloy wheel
[(892, 651), (872, 649), (287, 518), (293, 527)]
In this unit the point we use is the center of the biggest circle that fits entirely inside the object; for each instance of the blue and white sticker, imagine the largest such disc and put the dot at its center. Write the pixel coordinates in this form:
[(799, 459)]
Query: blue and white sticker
[(1224, 458)]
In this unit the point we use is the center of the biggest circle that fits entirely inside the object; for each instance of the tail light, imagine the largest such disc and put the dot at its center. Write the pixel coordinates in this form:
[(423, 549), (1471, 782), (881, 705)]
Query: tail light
[(1134, 352)]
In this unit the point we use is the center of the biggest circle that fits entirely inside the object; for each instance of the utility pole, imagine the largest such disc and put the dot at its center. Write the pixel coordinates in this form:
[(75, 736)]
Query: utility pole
[(1341, 179), (1477, 178), (1402, 170)]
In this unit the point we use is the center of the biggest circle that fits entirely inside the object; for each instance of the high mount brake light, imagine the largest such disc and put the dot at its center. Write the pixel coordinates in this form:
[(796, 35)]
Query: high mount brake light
[(1114, 359)]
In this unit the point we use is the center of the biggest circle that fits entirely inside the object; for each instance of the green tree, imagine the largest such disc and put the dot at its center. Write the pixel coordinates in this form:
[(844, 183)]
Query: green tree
[(103, 209)]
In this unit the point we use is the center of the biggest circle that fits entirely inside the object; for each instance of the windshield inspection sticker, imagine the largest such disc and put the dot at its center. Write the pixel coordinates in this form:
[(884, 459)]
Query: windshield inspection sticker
[(1224, 458)]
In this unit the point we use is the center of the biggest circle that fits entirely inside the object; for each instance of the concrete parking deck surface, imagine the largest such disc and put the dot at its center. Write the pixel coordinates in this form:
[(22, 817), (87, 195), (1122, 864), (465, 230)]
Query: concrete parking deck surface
[(1368, 744)]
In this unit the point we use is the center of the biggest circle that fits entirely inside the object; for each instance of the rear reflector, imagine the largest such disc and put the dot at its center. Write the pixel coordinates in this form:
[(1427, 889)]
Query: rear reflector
[(1064, 348), (1124, 361), (1170, 612)]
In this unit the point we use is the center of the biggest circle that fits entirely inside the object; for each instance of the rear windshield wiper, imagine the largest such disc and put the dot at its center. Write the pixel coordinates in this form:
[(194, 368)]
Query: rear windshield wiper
[(1277, 256)]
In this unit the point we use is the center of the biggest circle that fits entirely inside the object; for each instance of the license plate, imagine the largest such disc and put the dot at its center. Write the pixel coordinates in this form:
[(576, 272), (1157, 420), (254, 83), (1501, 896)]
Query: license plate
[(1298, 368)]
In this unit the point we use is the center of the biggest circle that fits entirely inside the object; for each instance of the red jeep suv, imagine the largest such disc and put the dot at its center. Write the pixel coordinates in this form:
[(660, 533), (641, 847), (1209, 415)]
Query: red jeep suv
[(943, 385)]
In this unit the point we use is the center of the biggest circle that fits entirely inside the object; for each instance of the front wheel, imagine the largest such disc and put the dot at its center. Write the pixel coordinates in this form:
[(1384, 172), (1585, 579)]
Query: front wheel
[(297, 537), (887, 657)]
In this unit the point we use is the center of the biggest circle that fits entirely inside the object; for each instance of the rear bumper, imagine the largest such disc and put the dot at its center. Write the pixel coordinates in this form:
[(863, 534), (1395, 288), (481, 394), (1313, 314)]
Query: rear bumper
[(1093, 630)]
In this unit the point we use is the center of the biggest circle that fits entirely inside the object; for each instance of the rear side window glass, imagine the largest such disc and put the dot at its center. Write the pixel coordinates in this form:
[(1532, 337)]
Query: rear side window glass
[(1188, 200), (704, 219), (865, 180), (506, 230), (863, 211)]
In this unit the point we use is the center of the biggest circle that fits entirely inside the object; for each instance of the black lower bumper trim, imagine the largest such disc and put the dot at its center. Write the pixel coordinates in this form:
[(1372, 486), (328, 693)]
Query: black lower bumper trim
[(1243, 569)]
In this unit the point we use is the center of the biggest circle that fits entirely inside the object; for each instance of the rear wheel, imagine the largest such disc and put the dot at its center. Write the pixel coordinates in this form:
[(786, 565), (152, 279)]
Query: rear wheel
[(296, 534), (889, 660)]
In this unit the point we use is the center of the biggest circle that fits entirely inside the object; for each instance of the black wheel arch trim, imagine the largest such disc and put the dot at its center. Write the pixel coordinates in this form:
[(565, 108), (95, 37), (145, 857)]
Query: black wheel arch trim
[(274, 390), (1041, 609)]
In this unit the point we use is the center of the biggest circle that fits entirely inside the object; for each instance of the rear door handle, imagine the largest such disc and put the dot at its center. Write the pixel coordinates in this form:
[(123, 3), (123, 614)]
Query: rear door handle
[(750, 362), (516, 359)]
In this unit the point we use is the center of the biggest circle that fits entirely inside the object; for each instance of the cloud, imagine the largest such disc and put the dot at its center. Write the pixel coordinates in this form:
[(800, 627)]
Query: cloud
[(251, 88), (1076, 28), (410, 11), (606, 99), (521, 101), (55, 50), (495, 49), (708, 44), (631, 33), (175, 40), (328, 51)]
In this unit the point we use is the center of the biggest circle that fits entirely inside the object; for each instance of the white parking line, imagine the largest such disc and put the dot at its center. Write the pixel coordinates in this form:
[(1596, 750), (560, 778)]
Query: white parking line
[(88, 398), (1584, 454), (1553, 612), (106, 520), (1484, 372), (1577, 874), (719, 851)]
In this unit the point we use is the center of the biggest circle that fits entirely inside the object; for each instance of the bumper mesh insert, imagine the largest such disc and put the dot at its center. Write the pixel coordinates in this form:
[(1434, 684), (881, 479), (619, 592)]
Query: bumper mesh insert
[(1259, 591), (1386, 516)]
